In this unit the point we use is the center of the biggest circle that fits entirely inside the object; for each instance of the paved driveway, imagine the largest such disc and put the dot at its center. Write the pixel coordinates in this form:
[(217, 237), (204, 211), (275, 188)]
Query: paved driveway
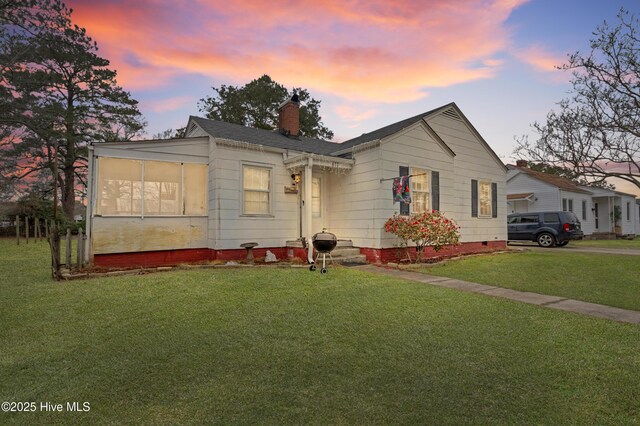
[(569, 248)]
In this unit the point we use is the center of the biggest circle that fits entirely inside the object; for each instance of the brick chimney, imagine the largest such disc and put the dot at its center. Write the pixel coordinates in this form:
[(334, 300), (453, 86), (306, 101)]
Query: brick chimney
[(522, 163), (289, 119)]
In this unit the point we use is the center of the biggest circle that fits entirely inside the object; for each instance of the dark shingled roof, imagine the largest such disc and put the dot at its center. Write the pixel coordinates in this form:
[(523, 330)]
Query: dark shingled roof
[(557, 181), (237, 132), (388, 130)]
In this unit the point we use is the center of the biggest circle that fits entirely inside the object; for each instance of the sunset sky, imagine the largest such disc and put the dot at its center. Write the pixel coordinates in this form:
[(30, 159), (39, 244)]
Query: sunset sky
[(370, 62)]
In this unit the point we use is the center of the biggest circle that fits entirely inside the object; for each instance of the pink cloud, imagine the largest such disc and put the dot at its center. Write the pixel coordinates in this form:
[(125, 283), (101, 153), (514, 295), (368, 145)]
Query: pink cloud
[(365, 50), (168, 104), (540, 58), (354, 115)]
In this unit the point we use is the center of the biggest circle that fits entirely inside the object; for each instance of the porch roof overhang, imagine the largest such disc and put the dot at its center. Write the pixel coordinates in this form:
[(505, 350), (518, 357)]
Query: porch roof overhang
[(321, 161), (525, 196)]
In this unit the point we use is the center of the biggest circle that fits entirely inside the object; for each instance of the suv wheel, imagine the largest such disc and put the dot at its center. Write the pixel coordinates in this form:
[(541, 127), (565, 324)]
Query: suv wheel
[(545, 239), (562, 244)]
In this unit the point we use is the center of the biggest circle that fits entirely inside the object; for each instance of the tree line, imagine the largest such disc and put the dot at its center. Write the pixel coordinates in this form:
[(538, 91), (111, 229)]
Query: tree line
[(57, 94)]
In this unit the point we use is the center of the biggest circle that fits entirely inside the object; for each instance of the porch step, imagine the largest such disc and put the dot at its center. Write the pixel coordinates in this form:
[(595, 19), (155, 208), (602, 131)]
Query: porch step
[(345, 251), (359, 259), (344, 243)]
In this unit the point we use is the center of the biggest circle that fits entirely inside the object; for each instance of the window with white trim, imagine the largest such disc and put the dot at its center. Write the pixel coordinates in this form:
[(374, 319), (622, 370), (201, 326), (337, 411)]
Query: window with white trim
[(316, 203), (484, 199), (256, 188), (421, 197)]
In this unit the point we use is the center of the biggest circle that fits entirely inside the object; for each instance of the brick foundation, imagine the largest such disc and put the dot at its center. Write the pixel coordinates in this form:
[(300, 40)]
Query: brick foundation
[(394, 254), (153, 258), (175, 257)]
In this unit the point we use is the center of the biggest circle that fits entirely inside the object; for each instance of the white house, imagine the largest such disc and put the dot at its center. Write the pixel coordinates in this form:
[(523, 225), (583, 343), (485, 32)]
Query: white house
[(201, 197), (637, 223), (532, 191)]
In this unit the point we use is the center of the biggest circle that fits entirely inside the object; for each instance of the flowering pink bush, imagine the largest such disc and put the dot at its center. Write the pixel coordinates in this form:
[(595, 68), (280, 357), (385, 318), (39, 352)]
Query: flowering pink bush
[(430, 228)]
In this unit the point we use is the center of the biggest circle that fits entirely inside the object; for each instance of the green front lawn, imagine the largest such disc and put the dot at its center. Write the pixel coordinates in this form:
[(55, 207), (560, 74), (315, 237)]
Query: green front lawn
[(616, 244), (283, 346), (599, 278)]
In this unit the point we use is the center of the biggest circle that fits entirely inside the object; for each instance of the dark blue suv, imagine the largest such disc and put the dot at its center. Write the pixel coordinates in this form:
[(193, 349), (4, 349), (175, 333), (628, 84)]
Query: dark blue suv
[(547, 228)]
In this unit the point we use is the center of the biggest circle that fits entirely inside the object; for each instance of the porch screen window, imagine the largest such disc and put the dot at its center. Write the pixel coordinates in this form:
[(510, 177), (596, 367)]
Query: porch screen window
[(485, 199), (169, 189), (195, 189), (162, 188), (256, 184), (584, 210), (119, 187), (420, 188), (315, 197)]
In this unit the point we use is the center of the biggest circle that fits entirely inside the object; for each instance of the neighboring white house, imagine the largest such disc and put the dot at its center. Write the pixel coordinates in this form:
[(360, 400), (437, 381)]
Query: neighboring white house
[(201, 197), (637, 224), (532, 191)]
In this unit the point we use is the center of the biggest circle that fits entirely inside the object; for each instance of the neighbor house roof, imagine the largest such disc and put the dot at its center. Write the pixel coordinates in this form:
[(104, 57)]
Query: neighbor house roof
[(557, 181), (237, 132)]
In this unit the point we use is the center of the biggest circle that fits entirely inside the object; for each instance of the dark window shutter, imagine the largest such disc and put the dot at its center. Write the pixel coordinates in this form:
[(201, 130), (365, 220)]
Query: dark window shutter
[(474, 198), (404, 207), (494, 199), (435, 190)]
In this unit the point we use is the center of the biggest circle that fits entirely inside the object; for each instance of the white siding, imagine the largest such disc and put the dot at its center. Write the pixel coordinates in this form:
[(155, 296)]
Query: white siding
[(414, 148), (228, 227), (189, 150), (133, 234), (628, 225), (588, 225), (472, 161), (361, 203), (545, 197), (353, 200)]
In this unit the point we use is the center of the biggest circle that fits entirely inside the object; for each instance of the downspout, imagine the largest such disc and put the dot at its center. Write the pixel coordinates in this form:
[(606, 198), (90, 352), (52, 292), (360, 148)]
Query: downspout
[(88, 253), (307, 207)]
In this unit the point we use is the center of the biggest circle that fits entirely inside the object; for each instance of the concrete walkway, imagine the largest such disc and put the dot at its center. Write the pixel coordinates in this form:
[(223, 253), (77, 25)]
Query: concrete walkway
[(554, 302)]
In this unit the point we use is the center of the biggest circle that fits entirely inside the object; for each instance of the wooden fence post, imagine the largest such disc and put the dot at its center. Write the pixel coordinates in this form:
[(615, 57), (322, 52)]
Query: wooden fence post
[(36, 228), (54, 241), (68, 247), (80, 248), (26, 228), (17, 229)]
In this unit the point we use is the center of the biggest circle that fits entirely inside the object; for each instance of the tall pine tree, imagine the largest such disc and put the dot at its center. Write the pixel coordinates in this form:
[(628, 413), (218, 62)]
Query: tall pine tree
[(55, 90)]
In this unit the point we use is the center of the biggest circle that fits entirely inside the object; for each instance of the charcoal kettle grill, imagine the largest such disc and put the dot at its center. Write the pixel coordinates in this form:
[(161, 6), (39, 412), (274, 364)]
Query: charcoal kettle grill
[(323, 242)]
